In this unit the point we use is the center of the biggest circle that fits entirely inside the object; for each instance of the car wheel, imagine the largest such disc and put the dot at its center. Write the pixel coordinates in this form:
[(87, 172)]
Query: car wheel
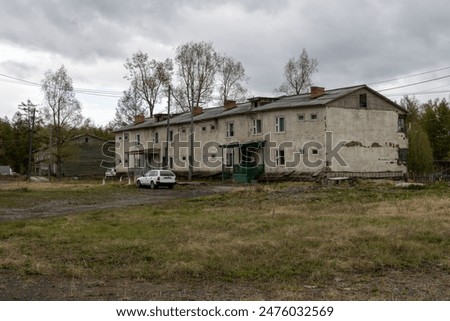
[(152, 185), (138, 183)]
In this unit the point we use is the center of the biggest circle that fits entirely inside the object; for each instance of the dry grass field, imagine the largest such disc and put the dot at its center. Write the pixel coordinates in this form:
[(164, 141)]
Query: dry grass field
[(289, 241)]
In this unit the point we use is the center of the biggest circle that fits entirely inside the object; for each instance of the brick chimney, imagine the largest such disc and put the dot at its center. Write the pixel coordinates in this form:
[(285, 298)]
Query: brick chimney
[(317, 91), (197, 111), (139, 119), (229, 104)]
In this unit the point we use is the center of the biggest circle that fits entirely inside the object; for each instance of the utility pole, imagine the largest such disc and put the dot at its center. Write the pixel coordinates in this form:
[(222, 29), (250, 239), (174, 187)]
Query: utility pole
[(191, 146), (30, 109), (167, 163), (50, 151)]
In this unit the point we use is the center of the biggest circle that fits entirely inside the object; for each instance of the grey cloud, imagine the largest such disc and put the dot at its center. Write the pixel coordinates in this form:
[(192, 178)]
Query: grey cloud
[(354, 41), (19, 69)]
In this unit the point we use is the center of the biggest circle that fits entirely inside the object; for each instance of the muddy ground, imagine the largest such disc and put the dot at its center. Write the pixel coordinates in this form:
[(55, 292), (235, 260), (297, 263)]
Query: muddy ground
[(117, 199)]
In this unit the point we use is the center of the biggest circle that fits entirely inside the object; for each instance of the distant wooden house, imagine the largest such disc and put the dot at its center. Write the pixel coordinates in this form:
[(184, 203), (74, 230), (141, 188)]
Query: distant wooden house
[(86, 155)]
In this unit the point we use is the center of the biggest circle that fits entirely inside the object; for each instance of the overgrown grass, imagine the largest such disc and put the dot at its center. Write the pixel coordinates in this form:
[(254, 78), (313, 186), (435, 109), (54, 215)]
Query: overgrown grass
[(258, 234)]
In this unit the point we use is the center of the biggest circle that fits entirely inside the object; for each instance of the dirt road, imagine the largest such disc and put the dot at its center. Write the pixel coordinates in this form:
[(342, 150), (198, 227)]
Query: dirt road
[(71, 204)]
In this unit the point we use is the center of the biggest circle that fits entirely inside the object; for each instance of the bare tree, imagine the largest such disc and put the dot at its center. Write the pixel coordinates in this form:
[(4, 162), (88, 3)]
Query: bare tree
[(231, 75), (298, 74), (197, 66), (148, 77), (128, 106), (62, 111)]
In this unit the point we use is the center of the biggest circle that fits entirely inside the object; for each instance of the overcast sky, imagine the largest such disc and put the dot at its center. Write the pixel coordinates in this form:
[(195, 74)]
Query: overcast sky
[(354, 41)]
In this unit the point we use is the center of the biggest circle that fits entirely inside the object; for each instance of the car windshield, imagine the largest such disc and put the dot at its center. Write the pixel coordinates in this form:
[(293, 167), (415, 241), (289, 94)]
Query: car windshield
[(167, 173)]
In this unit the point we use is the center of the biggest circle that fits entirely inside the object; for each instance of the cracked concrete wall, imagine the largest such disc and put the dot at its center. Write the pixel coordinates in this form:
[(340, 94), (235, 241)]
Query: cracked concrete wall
[(370, 139)]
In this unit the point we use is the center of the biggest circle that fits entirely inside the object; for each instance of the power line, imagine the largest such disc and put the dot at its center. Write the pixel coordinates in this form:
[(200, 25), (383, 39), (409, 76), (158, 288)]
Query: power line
[(420, 93), (83, 91), (410, 76), (414, 84)]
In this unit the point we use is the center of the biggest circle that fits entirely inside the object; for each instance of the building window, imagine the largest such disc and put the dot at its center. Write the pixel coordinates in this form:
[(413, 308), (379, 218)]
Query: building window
[(125, 136), (230, 129), (203, 128), (279, 124), (183, 130), (279, 155), (156, 137), (363, 100), (212, 127), (257, 126), (314, 151), (401, 124), (170, 135), (86, 140), (402, 156), (313, 116), (138, 138), (301, 117)]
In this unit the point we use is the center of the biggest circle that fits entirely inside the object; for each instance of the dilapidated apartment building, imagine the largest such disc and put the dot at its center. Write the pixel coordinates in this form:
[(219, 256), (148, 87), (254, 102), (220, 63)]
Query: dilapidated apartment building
[(346, 132)]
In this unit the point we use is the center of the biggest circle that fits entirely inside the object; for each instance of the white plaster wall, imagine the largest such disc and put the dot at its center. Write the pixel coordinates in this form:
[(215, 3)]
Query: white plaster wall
[(371, 137)]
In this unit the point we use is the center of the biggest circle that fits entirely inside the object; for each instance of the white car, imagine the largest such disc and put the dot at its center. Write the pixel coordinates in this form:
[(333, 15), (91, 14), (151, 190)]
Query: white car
[(156, 178)]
